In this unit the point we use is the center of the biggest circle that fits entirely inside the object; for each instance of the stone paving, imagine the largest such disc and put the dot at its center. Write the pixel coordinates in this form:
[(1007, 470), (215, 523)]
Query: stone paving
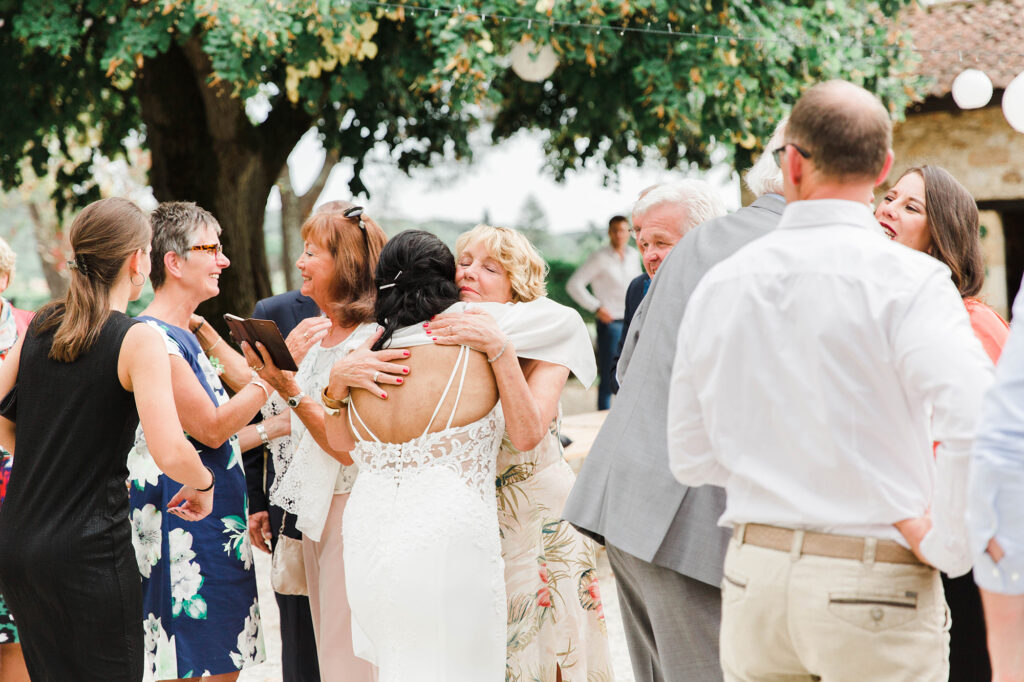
[(271, 670)]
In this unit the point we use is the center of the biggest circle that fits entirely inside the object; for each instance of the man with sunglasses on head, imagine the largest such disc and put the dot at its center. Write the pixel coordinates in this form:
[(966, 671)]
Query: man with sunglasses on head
[(813, 371)]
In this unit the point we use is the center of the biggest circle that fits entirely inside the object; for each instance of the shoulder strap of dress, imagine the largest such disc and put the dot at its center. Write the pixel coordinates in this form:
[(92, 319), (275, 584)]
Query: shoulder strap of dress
[(352, 411), (463, 354), (458, 394)]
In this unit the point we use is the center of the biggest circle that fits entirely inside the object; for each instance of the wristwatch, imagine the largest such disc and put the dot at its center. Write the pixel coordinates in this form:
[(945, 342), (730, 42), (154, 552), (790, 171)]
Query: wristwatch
[(332, 406), (294, 401)]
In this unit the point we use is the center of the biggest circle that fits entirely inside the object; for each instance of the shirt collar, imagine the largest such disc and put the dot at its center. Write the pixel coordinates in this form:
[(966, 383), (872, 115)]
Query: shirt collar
[(829, 212)]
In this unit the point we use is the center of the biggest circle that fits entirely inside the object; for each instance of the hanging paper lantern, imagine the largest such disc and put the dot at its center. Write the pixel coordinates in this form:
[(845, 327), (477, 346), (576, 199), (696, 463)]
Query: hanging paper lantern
[(1013, 103), (533, 63), (972, 89)]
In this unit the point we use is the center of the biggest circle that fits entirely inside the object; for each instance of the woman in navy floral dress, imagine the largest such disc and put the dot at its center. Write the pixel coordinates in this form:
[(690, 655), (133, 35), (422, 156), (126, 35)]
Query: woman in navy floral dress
[(200, 612)]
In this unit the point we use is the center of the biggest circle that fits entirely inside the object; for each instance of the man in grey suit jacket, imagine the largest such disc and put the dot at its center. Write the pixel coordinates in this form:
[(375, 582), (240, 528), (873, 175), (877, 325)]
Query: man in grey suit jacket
[(663, 540)]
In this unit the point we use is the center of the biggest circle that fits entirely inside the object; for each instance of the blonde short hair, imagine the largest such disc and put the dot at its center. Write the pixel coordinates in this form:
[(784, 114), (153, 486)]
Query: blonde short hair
[(7, 259), (525, 267)]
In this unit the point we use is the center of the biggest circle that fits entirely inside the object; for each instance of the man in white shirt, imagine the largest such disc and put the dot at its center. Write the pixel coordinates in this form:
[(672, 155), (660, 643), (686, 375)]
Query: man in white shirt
[(814, 369), (608, 272)]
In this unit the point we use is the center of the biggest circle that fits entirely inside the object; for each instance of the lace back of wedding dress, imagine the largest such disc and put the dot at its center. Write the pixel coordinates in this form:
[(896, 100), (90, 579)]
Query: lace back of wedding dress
[(423, 565), (466, 450)]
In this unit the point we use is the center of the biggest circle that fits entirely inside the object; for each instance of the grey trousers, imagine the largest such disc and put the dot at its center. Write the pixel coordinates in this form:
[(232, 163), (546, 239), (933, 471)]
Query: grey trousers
[(671, 621)]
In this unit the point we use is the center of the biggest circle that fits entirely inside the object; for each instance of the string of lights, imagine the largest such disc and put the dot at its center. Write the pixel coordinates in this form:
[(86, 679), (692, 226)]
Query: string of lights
[(667, 29)]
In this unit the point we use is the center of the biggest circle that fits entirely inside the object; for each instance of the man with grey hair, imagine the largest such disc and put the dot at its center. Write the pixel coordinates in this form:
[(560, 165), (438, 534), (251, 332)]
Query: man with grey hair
[(661, 216), (662, 537)]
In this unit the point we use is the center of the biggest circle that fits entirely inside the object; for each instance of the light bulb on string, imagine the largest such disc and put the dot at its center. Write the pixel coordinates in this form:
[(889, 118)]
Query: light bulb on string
[(1013, 103), (972, 89), (533, 63)]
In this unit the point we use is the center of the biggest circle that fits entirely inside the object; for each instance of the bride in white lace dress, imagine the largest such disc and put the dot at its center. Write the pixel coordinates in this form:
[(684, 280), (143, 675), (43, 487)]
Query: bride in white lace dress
[(424, 571)]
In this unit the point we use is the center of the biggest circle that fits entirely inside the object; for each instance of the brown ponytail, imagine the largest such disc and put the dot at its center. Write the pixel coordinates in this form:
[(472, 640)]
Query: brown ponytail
[(103, 236)]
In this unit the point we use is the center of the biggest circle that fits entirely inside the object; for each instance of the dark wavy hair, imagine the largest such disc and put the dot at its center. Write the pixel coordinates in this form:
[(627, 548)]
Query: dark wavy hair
[(415, 280)]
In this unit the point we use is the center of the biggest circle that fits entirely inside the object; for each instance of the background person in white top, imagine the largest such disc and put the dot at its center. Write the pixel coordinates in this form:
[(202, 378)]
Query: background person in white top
[(813, 371), (608, 272)]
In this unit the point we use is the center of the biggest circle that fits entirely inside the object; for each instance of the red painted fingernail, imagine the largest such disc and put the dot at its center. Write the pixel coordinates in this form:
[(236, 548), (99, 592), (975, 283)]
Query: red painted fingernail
[(383, 395), (425, 324), (434, 338), (406, 355), (405, 370), (399, 379)]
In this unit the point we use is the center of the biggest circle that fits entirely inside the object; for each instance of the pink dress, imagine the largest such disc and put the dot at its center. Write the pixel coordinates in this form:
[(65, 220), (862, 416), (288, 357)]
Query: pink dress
[(990, 328)]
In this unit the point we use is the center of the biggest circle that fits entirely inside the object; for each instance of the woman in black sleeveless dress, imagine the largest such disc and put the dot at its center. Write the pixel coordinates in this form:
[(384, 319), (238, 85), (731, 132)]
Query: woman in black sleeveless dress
[(75, 389)]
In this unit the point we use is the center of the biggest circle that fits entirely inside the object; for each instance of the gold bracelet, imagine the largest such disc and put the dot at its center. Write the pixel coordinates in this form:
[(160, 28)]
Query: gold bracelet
[(210, 349), (334, 403)]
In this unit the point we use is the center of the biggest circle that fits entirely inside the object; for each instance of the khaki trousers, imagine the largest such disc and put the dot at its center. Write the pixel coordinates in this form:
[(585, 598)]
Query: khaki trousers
[(787, 617), (328, 602)]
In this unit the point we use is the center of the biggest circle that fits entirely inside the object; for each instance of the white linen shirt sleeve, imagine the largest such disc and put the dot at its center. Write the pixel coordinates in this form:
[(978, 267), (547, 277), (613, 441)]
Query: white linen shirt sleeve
[(576, 287), (690, 455), (940, 358), (996, 479)]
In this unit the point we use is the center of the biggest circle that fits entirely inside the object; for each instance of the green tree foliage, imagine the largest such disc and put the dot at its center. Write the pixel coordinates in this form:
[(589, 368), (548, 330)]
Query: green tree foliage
[(223, 89)]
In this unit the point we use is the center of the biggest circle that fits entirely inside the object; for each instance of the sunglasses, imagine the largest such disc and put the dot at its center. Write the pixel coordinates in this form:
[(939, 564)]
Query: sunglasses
[(356, 213), (777, 153), (209, 248)]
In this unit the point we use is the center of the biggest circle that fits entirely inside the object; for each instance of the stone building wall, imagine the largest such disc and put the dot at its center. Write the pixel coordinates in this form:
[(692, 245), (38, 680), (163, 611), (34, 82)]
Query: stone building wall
[(978, 147)]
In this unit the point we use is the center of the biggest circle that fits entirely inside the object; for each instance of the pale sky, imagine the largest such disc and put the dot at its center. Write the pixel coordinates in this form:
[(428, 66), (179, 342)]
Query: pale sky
[(499, 180)]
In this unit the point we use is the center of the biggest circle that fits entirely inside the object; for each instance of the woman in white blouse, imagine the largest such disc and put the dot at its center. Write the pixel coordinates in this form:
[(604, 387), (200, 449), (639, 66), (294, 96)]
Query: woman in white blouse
[(340, 252)]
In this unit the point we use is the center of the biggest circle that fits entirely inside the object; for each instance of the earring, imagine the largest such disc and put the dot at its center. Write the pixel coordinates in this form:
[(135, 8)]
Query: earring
[(138, 284)]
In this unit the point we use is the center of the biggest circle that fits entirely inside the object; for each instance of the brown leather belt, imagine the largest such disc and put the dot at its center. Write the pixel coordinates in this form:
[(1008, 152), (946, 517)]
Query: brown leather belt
[(824, 544)]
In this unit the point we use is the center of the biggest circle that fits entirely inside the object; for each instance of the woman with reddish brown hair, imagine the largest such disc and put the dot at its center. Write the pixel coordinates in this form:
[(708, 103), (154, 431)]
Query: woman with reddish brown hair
[(340, 251)]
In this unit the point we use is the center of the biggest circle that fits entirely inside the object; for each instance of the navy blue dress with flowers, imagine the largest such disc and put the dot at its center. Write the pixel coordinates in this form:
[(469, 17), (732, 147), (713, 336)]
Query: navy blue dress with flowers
[(200, 612)]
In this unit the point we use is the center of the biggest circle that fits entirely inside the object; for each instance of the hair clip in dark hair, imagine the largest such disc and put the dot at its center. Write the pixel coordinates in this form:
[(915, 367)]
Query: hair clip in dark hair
[(79, 264), (393, 282)]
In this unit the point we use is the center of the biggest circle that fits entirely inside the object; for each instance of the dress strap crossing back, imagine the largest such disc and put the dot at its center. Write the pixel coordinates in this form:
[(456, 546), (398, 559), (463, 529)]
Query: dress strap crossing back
[(463, 360), (351, 412)]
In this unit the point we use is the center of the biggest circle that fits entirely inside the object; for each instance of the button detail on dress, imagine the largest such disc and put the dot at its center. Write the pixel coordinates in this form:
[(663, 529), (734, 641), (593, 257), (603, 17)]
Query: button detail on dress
[(1015, 576), (877, 614), (995, 572)]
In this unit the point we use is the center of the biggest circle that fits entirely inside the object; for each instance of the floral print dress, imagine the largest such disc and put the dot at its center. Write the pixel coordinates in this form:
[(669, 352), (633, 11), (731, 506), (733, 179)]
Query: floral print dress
[(10, 329), (555, 615), (8, 632), (200, 612)]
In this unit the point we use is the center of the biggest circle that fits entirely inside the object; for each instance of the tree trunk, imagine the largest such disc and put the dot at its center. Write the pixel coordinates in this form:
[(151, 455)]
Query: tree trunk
[(49, 246), (204, 149), (294, 211), (290, 222)]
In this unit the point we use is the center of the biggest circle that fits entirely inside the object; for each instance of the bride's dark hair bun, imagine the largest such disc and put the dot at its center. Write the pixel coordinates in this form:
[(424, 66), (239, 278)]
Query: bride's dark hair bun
[(415, 280)]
